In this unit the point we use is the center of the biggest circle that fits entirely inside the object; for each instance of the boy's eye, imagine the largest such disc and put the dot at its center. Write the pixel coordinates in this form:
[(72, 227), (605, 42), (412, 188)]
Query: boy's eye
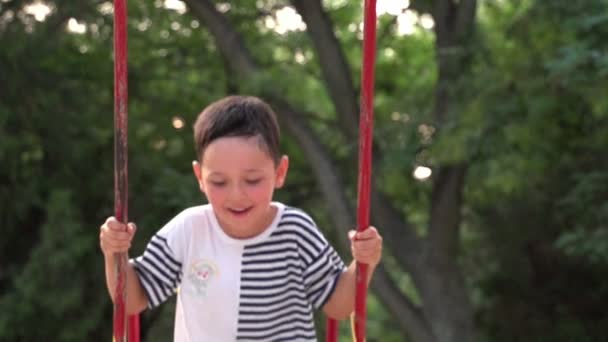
[(218, 183), (253, 181)]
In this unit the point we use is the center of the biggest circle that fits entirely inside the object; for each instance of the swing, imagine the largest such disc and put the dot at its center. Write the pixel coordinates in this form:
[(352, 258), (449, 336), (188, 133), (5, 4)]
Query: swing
[(366, 120), (121, 171), (120, 320)]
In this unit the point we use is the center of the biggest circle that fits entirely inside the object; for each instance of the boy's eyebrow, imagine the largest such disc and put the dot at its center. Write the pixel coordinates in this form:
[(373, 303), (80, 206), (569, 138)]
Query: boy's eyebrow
[(217, 173), (253, 170)]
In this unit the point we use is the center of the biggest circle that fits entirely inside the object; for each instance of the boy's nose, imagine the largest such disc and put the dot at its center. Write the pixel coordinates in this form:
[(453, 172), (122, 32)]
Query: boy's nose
[(237, 192)]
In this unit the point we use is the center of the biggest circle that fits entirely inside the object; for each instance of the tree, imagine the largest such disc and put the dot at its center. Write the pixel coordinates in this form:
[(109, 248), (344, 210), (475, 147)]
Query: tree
[(501, 100)]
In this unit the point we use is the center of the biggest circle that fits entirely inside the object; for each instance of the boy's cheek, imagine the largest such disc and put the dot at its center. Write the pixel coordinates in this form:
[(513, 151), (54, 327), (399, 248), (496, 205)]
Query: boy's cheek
[(260, 193), (214, 196)]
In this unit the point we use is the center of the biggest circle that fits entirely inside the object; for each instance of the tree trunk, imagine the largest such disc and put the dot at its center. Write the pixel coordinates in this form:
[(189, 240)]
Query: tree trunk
[(335, 69), (446, 304)]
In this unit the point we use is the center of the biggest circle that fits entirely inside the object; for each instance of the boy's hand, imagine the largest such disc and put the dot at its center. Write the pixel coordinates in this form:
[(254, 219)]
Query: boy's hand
[(115, 236), (366, 246)]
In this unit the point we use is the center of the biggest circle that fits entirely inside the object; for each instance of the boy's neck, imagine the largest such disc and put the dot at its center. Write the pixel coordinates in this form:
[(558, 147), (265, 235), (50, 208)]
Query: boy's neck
[(259, 227)]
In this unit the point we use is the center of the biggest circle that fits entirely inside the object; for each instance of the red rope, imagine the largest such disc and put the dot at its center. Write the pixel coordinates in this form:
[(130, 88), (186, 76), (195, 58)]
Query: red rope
[(121, 169), (331, 330), (365, 156), (366, 121)]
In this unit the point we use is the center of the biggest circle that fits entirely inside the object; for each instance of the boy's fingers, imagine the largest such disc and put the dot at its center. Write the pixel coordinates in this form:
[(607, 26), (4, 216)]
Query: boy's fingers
[(367, 234), (367, 255), (367, 246), (117, 226), (368, 243), (368, 239), (115, 236), (364, 245), (110, 234), (122, 236), (115, 243), (114, 224), (131, 228)]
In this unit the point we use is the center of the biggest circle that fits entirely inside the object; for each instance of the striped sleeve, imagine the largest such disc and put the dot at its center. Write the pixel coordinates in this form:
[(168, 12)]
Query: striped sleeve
[(322, 264), (159, 270)]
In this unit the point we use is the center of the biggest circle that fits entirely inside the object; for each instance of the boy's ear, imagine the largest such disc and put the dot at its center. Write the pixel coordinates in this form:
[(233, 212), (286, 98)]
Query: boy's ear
[(196, 167), (281, 174)]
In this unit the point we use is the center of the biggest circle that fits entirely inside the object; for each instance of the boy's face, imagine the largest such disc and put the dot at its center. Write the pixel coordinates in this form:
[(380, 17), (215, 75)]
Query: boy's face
[(238, 178)]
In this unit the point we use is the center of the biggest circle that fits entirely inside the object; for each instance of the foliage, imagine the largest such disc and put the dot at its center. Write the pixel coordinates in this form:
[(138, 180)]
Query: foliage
[(537, 190), (532, 122)]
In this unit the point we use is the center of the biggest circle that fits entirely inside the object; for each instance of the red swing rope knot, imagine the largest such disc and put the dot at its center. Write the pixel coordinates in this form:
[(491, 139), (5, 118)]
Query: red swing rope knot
[(121, 194), (366, 121)]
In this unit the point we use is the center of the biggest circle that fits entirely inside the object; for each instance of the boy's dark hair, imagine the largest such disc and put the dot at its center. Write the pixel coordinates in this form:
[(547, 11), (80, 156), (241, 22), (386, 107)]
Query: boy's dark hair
[(238, 116)]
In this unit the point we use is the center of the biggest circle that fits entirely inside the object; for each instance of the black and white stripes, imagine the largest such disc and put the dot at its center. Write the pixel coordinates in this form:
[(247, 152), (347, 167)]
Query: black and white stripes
[(159, 271), (283, 278), (261, 289)]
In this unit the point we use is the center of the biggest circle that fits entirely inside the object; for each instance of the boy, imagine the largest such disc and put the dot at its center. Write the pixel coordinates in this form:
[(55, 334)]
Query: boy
[(247, 268)]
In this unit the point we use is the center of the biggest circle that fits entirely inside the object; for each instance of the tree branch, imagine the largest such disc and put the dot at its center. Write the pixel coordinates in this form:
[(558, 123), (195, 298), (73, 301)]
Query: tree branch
[(331, 186), (452, 22), (445, 216), (334, 67), (442, 12), (229, 42), (443, 283), (465, 18), (421, 6), (401, 308), (398, 234)]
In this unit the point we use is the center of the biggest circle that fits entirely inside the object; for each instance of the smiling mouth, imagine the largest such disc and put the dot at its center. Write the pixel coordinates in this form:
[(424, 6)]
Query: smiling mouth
[(239, 211)]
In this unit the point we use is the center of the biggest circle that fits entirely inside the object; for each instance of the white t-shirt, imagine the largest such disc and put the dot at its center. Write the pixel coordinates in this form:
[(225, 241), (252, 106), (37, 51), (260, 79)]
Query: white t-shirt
[(259, 289)]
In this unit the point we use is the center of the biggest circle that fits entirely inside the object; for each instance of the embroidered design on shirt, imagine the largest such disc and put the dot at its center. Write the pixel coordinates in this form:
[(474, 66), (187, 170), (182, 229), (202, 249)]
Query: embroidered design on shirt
[(201, 273)]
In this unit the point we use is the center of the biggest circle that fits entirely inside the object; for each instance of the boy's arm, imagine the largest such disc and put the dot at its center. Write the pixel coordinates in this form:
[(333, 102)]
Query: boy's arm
[(342, 302), (366, 247), (115, 238), (136, 296)]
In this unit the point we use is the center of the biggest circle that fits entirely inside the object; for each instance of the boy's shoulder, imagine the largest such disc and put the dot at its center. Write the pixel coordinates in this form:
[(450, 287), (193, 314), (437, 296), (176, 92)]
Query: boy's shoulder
[(195, 211), (297, 218), (193, 214), (186, 219), (298, 226), (295, 212)]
